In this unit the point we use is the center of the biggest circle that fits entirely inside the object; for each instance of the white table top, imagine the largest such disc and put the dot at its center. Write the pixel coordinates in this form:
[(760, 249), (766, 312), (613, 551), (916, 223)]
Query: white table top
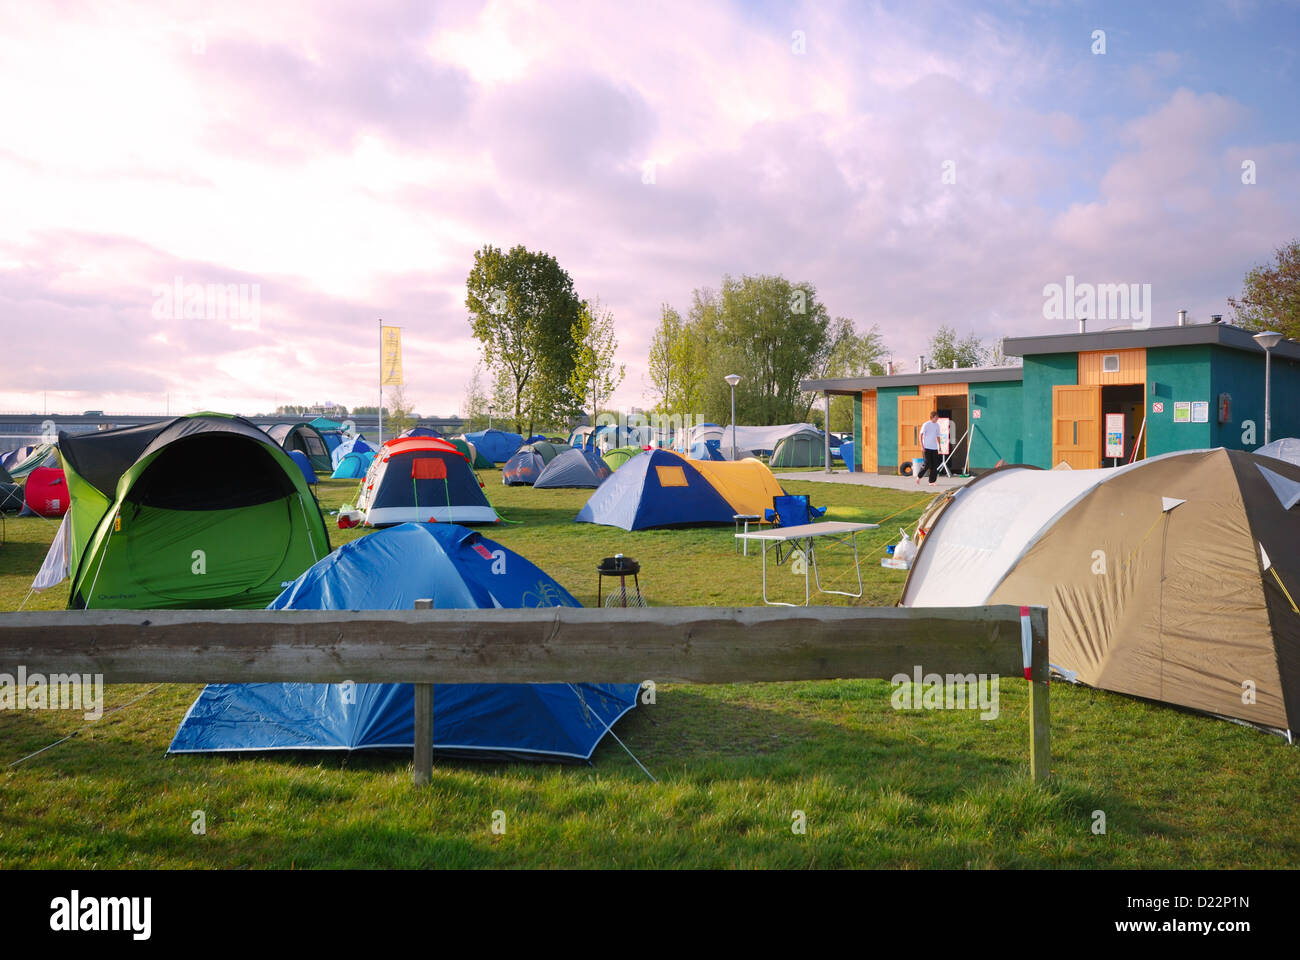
[(829, 528)]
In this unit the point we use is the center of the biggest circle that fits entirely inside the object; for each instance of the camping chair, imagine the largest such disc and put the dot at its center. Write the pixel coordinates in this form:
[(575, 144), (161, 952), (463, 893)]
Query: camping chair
[(791, 510)]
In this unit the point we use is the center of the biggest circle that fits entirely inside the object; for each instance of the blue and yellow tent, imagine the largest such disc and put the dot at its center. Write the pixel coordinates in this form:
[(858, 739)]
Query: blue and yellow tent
[(660, 488)]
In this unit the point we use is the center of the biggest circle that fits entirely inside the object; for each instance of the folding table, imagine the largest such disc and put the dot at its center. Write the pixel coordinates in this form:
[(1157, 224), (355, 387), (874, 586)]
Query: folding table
[(805, 534)]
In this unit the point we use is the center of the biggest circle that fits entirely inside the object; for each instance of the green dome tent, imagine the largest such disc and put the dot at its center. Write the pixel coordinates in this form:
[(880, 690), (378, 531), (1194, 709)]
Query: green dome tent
[(620, 455), (305, 438), (807, 448), (197, 512)]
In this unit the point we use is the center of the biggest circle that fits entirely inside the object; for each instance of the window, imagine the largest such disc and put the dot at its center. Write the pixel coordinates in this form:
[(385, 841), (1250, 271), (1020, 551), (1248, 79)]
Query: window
[(1110, 363), (671, 477)]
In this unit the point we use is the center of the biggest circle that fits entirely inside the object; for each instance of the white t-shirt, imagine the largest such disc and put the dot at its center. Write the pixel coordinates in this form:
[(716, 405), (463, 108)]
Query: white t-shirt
[(930, 435)]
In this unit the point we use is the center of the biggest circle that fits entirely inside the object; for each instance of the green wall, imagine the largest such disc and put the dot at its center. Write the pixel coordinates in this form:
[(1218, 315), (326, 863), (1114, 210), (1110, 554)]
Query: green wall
[(887, 426), (1042, 372), (857, 433), (998, 433), (1177, 374), (1241, 376)]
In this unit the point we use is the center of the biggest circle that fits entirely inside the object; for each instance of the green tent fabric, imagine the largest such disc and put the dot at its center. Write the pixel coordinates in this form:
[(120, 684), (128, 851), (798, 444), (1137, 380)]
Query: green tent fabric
[(807, 448), (476, 459), (197, 512), (620, 455), (325, 423), (306, 439)]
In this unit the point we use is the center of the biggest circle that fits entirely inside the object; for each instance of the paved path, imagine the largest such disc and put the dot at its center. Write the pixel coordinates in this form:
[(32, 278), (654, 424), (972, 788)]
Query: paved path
[(876, 480)]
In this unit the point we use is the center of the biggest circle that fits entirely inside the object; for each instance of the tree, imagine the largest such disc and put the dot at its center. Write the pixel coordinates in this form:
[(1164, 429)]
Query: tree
[(947, 351), (847, 354), (1270, 295), (402, 417), (593, 363), (522, 310), (475, 406), (665, 371)]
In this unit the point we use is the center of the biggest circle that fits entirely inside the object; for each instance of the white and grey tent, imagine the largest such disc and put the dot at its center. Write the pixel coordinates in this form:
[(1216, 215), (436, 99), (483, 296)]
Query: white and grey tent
[(572, 468), (1288, 449), (1173, 579)]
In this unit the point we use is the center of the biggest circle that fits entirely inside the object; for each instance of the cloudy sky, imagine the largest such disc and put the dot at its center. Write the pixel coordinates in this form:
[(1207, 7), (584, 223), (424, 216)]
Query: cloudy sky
[(345, 160)]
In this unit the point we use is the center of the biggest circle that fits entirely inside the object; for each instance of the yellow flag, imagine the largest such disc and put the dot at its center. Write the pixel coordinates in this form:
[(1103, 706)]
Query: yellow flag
[(390, 359)]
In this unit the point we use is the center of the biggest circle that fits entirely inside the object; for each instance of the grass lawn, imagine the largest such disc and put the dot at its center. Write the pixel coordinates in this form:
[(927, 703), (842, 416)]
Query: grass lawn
[(878, 787)]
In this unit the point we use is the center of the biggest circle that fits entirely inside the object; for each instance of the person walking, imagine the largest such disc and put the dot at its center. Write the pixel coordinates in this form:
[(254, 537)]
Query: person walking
[(930, 444)]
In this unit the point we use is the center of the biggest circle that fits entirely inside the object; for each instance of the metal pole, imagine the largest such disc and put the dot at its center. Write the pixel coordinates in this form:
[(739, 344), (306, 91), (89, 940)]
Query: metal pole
[(1268, 398), (827, 432), (733, 422), (422, 758), (381, 381)]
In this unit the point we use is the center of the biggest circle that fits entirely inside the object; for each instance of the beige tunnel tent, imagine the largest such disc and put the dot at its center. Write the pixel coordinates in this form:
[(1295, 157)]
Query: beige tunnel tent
[(1174, 579)]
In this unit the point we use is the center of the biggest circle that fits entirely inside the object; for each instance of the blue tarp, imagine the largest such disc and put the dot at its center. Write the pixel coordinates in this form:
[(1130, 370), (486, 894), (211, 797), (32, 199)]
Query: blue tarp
[(304, 464), (389, 570), (497, 445), (353, 444), (846, 451), (353, 466), (657, 488)]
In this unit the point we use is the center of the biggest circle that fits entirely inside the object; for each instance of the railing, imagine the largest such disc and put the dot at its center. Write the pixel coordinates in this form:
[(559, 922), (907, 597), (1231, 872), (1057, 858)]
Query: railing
[(557, 644)]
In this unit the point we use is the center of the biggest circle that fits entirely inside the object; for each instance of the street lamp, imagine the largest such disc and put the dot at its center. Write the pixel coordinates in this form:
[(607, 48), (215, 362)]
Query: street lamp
[(1268, 340), (489, 416), (733, 379)]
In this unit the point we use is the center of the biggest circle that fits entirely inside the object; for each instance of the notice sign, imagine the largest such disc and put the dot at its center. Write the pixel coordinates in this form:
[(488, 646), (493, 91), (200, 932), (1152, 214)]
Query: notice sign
[(1114, 435), (975, 414), (1200, 411), (1158, 407), (1182, 411)]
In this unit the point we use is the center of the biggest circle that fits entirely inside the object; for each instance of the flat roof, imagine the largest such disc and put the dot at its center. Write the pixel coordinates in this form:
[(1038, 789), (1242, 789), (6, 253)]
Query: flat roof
[(852, 385), (1218, 334)]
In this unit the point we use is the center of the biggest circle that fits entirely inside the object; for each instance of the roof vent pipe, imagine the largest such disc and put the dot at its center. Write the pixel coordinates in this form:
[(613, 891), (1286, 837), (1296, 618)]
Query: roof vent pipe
[(889, 368), (920, 363), (1082, 325), (1182, 318)]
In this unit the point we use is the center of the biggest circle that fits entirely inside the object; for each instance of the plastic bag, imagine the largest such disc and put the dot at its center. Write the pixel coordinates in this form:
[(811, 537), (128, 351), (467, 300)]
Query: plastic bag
[(905, 549)]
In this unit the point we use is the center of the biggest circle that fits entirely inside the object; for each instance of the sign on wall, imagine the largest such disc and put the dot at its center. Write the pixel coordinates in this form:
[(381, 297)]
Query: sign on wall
[(1200, 411), (1182, 411), (1158, 407), (1114, 435)]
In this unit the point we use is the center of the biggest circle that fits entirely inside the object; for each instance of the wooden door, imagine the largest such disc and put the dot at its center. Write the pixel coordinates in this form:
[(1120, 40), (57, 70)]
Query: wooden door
[(912, 412), (867, 456), (1076, 426)]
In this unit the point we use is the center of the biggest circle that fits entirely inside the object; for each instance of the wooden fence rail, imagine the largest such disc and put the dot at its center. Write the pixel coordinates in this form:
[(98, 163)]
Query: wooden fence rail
[(553, 644)]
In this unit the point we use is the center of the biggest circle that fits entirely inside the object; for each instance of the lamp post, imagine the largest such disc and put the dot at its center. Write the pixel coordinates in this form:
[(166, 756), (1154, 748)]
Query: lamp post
[(489, 416), (733, 379), (1268, 340)]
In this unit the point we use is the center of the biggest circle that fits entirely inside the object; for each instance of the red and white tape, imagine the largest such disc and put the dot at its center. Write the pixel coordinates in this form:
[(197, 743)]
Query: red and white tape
[(1026, 641)]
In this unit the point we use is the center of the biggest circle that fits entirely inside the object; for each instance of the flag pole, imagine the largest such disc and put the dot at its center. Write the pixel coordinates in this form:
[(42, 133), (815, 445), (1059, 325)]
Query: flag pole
[(381, 381)]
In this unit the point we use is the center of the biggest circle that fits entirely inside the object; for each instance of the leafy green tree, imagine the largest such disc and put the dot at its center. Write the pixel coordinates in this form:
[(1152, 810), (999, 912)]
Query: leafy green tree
[(522, 308), (402, 417), (663, 363), (1270, 295), (593, 366), (847, 354), (947, 351)]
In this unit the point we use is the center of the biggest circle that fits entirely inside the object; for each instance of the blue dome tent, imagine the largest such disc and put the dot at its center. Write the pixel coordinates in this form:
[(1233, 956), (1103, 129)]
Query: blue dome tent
[(353, 466), (389, 570), (353, 444), (497, 445), (304, 464)]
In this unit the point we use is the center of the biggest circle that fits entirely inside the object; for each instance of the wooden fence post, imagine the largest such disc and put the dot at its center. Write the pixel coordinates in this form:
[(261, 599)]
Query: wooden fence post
[(1040, 685), (423, 759)]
